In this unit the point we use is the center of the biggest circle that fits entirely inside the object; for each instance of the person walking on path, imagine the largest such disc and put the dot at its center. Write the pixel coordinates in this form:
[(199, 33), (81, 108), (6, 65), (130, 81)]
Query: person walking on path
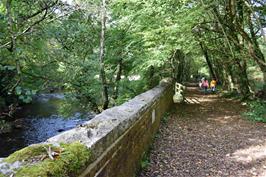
[(213, 85), (200, 83), (205, 85)]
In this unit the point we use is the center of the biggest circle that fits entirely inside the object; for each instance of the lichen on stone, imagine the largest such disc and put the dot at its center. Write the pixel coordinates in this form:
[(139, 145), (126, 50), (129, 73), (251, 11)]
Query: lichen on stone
[(70, 160)]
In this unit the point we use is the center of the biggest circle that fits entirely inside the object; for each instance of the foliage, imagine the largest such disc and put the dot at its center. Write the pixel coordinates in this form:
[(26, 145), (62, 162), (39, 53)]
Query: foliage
[(55, 45), (257, 111), (165, 118), (145, 161), (5, 126), (231, 94)]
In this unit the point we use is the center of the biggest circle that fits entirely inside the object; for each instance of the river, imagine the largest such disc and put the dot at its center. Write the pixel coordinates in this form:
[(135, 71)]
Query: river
[(46, 116)]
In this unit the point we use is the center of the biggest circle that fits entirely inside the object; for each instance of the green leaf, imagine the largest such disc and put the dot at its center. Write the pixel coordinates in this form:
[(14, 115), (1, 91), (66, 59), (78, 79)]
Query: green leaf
[(18, 90)]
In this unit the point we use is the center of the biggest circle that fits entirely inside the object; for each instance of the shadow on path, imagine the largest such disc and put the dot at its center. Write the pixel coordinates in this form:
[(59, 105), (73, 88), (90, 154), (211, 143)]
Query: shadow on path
[(208, 138)]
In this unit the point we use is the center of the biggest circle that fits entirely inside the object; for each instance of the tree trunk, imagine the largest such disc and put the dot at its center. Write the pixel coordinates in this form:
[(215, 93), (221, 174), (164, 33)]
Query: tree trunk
[(243, 79), (180, 67), (173, 65), (151, 81), (254, 49), (206, 55), (10, 25), (101, 58), (117, 79), (230, 79), (256, 52), (12, 47), (231, 84)]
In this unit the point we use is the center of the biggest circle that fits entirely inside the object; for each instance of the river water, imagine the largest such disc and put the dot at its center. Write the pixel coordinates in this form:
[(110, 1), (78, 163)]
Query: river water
[(46, 116)]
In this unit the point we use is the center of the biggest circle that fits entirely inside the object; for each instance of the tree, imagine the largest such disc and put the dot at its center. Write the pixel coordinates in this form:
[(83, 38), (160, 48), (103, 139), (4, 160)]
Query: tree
[(101, 58)]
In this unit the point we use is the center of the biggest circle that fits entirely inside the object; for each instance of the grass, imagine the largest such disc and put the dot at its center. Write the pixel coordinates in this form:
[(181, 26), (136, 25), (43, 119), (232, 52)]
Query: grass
[(145, 161)]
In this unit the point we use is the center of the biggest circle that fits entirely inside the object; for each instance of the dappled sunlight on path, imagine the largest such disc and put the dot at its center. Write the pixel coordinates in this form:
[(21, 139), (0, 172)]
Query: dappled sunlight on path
[(208, 137), (250, 154)]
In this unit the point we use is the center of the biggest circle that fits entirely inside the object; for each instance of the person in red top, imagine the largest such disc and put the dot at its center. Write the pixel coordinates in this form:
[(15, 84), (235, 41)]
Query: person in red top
[(205, 85)]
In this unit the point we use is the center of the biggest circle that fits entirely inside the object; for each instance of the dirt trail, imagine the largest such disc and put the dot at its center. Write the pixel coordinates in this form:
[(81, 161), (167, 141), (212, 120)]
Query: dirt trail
[(208, 137)]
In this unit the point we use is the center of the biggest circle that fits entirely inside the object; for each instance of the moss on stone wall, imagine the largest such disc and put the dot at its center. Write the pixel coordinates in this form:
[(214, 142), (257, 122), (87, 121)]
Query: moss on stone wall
[(27, 153), (71, 159)]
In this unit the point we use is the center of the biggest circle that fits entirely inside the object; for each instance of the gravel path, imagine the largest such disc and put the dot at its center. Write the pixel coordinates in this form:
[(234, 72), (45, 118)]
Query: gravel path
[(208, 137)]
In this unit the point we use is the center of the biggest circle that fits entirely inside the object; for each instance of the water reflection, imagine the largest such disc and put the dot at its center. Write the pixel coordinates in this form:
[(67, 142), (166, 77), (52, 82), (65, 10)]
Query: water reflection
[(48, 115)]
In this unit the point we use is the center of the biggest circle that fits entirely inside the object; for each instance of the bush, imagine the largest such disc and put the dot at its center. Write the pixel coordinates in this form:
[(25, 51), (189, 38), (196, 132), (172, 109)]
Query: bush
[(231, 94), (257, 111)]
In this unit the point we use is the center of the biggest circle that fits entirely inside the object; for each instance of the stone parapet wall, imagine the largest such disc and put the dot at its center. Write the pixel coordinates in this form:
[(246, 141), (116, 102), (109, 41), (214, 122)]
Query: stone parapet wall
[(118, 137)]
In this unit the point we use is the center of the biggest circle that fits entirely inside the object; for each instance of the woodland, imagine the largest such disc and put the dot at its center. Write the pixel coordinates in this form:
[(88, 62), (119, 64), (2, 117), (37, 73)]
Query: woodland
[(105, 52)]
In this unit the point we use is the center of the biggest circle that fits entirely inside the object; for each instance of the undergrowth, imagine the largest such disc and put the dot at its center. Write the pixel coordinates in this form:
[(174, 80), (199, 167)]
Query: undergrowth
[(231, 94), (256, 111)]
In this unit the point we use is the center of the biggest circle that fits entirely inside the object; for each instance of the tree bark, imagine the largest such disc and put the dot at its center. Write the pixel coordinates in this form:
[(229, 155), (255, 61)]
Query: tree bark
[(12, 47), (180, 57), (117, 79), (206, 55), (243, 78), (10, 25), (105, 99), (151, 81)]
